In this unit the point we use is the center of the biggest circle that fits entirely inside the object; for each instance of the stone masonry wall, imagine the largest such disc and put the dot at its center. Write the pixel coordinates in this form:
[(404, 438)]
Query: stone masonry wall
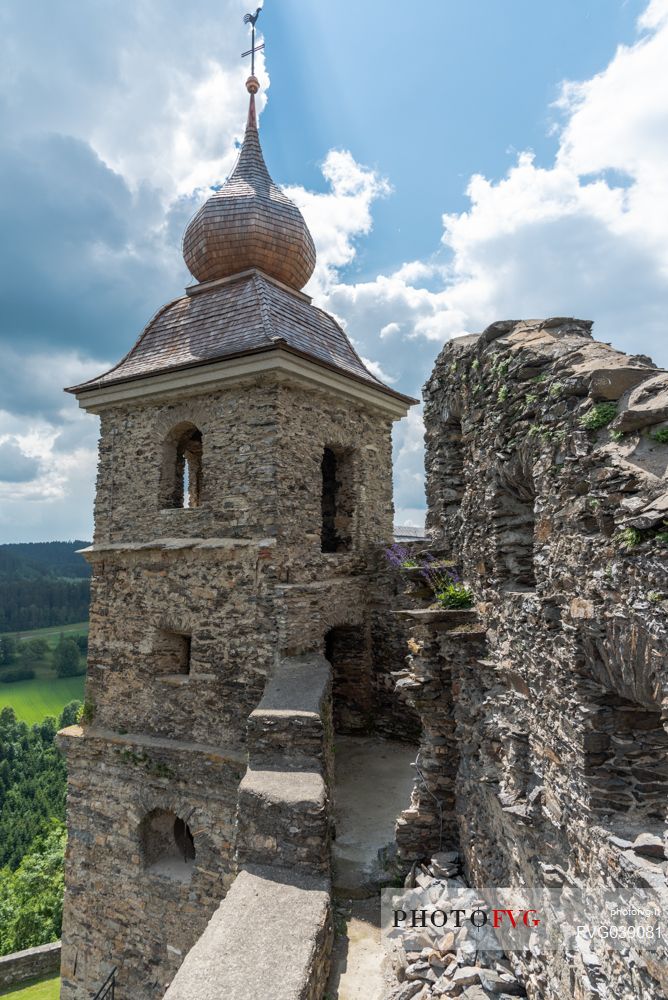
[(546, 463), (119, 910), (282, 891), (192, 609), (33, 963)]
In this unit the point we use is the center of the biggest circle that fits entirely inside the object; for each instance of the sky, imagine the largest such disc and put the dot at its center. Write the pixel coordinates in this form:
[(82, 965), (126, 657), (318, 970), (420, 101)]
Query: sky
[(457, 164)]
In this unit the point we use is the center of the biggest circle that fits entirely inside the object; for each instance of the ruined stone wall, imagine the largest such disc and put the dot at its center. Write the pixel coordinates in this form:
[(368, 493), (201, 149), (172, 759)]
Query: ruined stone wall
[(546, 462)]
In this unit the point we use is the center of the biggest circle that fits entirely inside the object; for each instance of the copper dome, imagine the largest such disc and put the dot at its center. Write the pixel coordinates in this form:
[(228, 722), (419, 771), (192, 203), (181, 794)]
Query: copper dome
[(250, 223)]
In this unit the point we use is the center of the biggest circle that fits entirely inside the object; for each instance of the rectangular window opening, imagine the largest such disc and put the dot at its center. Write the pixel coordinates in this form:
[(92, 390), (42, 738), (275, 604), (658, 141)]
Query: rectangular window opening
[(338, 500)]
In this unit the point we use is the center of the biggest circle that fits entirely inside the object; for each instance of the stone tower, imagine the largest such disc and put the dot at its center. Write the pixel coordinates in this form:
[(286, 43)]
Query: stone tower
[(244, 480)]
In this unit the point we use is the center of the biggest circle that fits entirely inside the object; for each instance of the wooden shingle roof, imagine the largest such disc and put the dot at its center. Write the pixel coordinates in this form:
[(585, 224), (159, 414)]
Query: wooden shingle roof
[(246, 315)]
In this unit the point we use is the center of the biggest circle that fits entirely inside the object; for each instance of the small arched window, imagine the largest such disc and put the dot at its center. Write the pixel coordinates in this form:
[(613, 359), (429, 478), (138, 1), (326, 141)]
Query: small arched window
[(181, 484), (168, 846)]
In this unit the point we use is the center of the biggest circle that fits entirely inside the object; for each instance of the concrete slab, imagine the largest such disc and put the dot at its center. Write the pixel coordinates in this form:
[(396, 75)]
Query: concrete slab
[(373, 783), (358, 959)]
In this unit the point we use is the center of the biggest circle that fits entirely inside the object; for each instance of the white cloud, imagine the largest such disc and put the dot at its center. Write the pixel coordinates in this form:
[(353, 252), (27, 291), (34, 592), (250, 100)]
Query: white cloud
[(656, 14), (340, 216), (158, 95), (48, 454), (583, 236)]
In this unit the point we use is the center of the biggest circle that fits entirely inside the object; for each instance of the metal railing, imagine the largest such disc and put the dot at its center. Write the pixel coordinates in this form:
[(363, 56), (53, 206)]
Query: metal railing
[(108, 989)]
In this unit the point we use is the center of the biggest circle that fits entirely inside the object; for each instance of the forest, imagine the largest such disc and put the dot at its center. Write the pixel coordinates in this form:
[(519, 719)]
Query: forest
[(42, 584), (32, 830)]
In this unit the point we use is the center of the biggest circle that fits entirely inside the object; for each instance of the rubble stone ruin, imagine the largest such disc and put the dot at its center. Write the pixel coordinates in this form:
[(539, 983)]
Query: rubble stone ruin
[(244, 612), (543, 707)]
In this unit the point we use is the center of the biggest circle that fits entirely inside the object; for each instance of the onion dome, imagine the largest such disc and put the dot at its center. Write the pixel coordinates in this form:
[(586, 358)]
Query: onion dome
[(250, 223)]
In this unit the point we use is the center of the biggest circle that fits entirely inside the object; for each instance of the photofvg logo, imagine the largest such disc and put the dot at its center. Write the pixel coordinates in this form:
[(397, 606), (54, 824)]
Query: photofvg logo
[(470, 920), (448, 918)]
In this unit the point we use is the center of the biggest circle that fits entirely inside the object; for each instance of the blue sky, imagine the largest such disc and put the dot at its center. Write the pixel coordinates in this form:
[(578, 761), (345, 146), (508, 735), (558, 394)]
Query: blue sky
[(457, 164), (427, 101)]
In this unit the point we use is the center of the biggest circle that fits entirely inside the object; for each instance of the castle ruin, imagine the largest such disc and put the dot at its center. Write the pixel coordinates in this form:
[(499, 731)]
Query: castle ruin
[(243, 611)]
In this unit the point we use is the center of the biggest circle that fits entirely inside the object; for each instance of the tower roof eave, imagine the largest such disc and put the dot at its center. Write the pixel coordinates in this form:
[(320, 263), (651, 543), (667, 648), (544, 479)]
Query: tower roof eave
[(247, 315), (280, 359)]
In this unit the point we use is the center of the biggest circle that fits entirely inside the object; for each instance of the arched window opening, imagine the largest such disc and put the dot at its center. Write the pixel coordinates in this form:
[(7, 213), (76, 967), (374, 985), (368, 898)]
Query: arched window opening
[(172, 652), (338, 500), (168, 846), (182, 468)]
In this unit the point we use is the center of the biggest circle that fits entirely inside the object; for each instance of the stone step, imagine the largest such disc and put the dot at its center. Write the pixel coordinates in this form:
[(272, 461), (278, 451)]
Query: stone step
[(290, 719), (283, 820), (269, 940)]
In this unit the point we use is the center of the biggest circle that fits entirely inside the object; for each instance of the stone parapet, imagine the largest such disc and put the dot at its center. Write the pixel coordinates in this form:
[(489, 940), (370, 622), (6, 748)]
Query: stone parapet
[(33, 963), (283, 813), (269, 940)]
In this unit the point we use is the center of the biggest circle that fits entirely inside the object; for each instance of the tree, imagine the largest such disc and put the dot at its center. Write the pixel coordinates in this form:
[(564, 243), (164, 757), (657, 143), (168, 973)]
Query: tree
[(66, 658), (32, 785), (32, 650), (68, 716), (7, 649), (31, 898)]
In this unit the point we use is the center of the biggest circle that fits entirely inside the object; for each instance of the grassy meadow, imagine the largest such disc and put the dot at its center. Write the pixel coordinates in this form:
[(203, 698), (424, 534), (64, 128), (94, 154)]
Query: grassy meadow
[(46, 694), (45, 989)]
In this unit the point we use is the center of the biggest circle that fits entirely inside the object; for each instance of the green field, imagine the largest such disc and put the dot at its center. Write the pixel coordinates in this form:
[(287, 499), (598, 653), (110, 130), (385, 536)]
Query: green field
[(53, 634), (34, 700), (46, 694), (46, 989)]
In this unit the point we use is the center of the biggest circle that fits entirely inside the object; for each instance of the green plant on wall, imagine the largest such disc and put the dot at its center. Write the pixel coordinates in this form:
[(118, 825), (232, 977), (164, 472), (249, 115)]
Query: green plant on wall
[(661, 436), (454, 596), (86, 713), (628, 538), (599, 416)]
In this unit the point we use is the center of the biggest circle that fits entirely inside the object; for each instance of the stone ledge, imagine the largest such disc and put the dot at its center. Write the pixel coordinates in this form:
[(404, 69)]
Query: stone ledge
[(443, 617), (285, 788), (297, 688), (217, 753), (316, 585), (269, 940), (176, 544)]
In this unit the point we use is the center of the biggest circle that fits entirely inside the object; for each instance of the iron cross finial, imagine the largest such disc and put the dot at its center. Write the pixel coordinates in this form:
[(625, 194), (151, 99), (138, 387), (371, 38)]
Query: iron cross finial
[(252, 20)]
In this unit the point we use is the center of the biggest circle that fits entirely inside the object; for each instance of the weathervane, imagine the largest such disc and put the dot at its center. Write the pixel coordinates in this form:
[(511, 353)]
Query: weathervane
[(252, 19)]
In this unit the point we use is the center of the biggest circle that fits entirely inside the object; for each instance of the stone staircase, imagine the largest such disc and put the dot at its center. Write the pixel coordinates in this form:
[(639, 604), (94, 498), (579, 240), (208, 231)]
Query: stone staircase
[(283, 815), (279, 906)]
